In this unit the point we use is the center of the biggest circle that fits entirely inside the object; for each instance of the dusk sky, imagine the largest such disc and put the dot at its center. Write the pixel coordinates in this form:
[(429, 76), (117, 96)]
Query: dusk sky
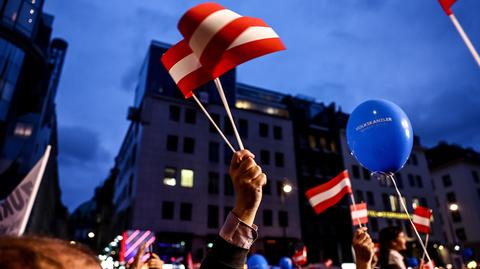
[(342, 51)]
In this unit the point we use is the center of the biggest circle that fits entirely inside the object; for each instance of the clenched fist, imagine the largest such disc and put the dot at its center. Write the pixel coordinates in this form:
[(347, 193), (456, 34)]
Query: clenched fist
[(248, 181), (363, 246)]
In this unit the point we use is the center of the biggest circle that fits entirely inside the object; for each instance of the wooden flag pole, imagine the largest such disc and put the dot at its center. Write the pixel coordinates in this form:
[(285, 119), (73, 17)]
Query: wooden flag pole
[(390, 175), (352, 198), (465, 38), (426, 244), (218, 84), (213, 122)]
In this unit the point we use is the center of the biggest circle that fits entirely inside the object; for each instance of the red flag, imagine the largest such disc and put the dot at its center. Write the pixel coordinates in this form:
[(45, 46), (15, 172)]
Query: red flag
[(421, 219), (359, 214), (223, 39), (300, 256), (189, 261), (328, 194), (446, 4)]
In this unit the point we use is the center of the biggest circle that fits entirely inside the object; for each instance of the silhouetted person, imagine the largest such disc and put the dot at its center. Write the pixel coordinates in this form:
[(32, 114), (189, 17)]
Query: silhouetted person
[(392, 242)]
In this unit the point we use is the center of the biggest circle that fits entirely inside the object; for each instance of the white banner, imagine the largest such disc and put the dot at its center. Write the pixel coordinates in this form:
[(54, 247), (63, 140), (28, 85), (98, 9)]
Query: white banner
[(15, 209)]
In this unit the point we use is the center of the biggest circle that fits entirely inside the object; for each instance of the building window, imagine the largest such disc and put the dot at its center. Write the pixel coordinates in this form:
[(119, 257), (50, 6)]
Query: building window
[(411, 180), (264, 157), (312, 142), (279, 159), (423, 202), (213, 183), (267, 188), (386, 202), (227, 154), (476, 179), (355, 171), (283, 218), (188, 145), (228, 126), (267, 217), (227, 186), (216, 119), (263, 129), (399, 179), (414, 159), (212, 216), (447, 181), (213, 152), (461, 234), (393, 202), (185, 211), (279, 188), (277, 133), (226, 211), (370, 198), (360, 197), (366, 174), (190, 116), (174, 113), (187, 177), (451, 197), (323, 143), (374, 224), (456, 217), (243, 126), (167, 210), (169, 176), (23, 130), (172, 143), (419, 181)]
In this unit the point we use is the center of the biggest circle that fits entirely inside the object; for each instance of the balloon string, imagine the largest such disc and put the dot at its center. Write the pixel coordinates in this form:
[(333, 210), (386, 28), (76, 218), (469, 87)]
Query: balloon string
[(390, 175)]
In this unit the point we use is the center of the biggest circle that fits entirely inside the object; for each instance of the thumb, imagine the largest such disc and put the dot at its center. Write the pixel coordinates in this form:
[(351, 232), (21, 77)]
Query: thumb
[(137, 261)]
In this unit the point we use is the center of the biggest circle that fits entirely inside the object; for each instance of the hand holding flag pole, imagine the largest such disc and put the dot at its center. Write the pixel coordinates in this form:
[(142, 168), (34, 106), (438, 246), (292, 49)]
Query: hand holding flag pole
[(446, 4)]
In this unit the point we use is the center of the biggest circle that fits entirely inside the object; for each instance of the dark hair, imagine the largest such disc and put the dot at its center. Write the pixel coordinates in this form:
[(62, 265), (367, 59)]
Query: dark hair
[(387, 235)]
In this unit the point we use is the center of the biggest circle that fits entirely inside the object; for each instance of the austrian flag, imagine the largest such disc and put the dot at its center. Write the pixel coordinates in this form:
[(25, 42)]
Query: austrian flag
[(328, 194), (359, 214), (421, 219)]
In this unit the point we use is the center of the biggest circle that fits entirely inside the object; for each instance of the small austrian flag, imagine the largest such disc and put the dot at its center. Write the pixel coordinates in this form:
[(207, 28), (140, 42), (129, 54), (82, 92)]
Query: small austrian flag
[(359, 214), (330, 193), (421, 219)]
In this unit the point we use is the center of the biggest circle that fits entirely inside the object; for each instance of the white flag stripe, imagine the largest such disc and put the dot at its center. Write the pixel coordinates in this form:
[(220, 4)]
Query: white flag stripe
[(421, 220), (358, 214), (184, 67), (316, 199), (209, 27), (253, 33)]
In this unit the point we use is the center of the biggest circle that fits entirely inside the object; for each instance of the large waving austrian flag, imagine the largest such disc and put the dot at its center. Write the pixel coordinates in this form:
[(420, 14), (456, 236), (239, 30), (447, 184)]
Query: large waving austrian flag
[(421, 219), (328, 194), (359, 214), (216, 40)]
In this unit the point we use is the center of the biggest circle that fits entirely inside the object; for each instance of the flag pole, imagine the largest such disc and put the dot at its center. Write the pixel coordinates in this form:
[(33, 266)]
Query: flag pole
[(390, 175), (218, 84), (213, 122), (465, 38), (426, 244), (352, 198)]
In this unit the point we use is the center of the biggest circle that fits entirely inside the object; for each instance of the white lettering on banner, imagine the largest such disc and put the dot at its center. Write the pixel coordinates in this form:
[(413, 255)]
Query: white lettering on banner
[(372, 122)]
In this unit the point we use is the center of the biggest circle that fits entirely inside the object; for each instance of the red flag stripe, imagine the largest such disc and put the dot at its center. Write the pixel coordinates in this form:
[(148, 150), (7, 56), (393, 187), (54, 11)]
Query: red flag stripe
[(328, 185), (320, 207), (192, 19), (446, 4), (359, 213), (421, 219)]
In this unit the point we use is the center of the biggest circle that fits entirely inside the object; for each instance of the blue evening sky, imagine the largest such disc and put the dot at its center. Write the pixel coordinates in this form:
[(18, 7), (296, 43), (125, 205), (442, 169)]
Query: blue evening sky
[(342, 51)]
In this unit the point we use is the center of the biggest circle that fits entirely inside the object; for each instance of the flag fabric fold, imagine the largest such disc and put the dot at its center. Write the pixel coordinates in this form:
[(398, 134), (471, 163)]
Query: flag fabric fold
[(359, 214), (328, 194), (421, 219)]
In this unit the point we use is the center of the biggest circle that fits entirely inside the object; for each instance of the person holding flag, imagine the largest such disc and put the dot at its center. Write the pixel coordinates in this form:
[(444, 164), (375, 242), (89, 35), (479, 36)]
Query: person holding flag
[(392, 242)]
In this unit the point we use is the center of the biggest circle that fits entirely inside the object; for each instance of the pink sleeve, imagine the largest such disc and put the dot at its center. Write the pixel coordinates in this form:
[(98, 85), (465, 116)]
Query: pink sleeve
[(238, 233)]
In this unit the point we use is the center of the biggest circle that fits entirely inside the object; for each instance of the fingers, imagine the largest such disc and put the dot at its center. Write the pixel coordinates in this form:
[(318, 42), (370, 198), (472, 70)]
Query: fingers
[(246, 164), (239, 156), (260, 180), (138, 257), (252, 173), (155, 256)]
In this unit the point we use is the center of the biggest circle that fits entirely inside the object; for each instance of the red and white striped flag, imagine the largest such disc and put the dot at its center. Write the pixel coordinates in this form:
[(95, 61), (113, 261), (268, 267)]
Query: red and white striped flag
[(131, 242), (359, 214), (421, 219), (223, 39), (300, 256), (328, 194), (446, 4)]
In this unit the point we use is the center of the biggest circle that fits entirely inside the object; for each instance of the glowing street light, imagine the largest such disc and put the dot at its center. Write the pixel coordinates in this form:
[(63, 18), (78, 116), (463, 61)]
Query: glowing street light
[(91, 235), (287, 188), (453, 207), (457, 247)]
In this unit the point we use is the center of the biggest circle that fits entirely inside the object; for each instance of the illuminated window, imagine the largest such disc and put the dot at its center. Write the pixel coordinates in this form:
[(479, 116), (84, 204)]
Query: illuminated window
[(169, 178), (312, 142), (393, 202), (23, 130), (186, 178)]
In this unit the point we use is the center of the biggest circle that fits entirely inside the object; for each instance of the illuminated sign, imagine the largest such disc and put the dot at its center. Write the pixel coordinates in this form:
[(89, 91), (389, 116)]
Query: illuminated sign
[(387, 214)]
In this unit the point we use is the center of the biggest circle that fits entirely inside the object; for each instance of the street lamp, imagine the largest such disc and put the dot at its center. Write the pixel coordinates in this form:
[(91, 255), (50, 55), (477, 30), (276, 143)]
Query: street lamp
[(91, 235), (453, 207), (287, 188)]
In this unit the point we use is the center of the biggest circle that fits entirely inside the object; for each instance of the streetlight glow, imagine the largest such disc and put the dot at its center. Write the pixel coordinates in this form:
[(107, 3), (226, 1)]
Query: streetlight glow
[(91, 235), (457, 247), (453, 207), (287, 188)]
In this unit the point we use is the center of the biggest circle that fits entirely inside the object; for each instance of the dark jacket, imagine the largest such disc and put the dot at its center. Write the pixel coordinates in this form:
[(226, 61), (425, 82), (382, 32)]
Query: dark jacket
[(224, 255)]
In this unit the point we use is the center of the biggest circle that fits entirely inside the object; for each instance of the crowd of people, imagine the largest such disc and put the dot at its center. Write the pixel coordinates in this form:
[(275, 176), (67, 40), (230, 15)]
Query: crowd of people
[(229, 251)]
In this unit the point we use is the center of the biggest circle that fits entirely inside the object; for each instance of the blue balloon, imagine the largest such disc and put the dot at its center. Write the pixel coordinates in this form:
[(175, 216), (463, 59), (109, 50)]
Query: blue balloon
[(285, 263), (257, 261), (412, 262), (380, 136)]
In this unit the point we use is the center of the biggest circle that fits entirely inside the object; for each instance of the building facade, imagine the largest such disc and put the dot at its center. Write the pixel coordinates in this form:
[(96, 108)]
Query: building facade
[(30, 68), (173, 166), (456, 176)]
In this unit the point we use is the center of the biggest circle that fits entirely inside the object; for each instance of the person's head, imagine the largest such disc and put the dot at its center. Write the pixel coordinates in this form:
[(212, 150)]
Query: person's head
[(44, 253), (391, 238)]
